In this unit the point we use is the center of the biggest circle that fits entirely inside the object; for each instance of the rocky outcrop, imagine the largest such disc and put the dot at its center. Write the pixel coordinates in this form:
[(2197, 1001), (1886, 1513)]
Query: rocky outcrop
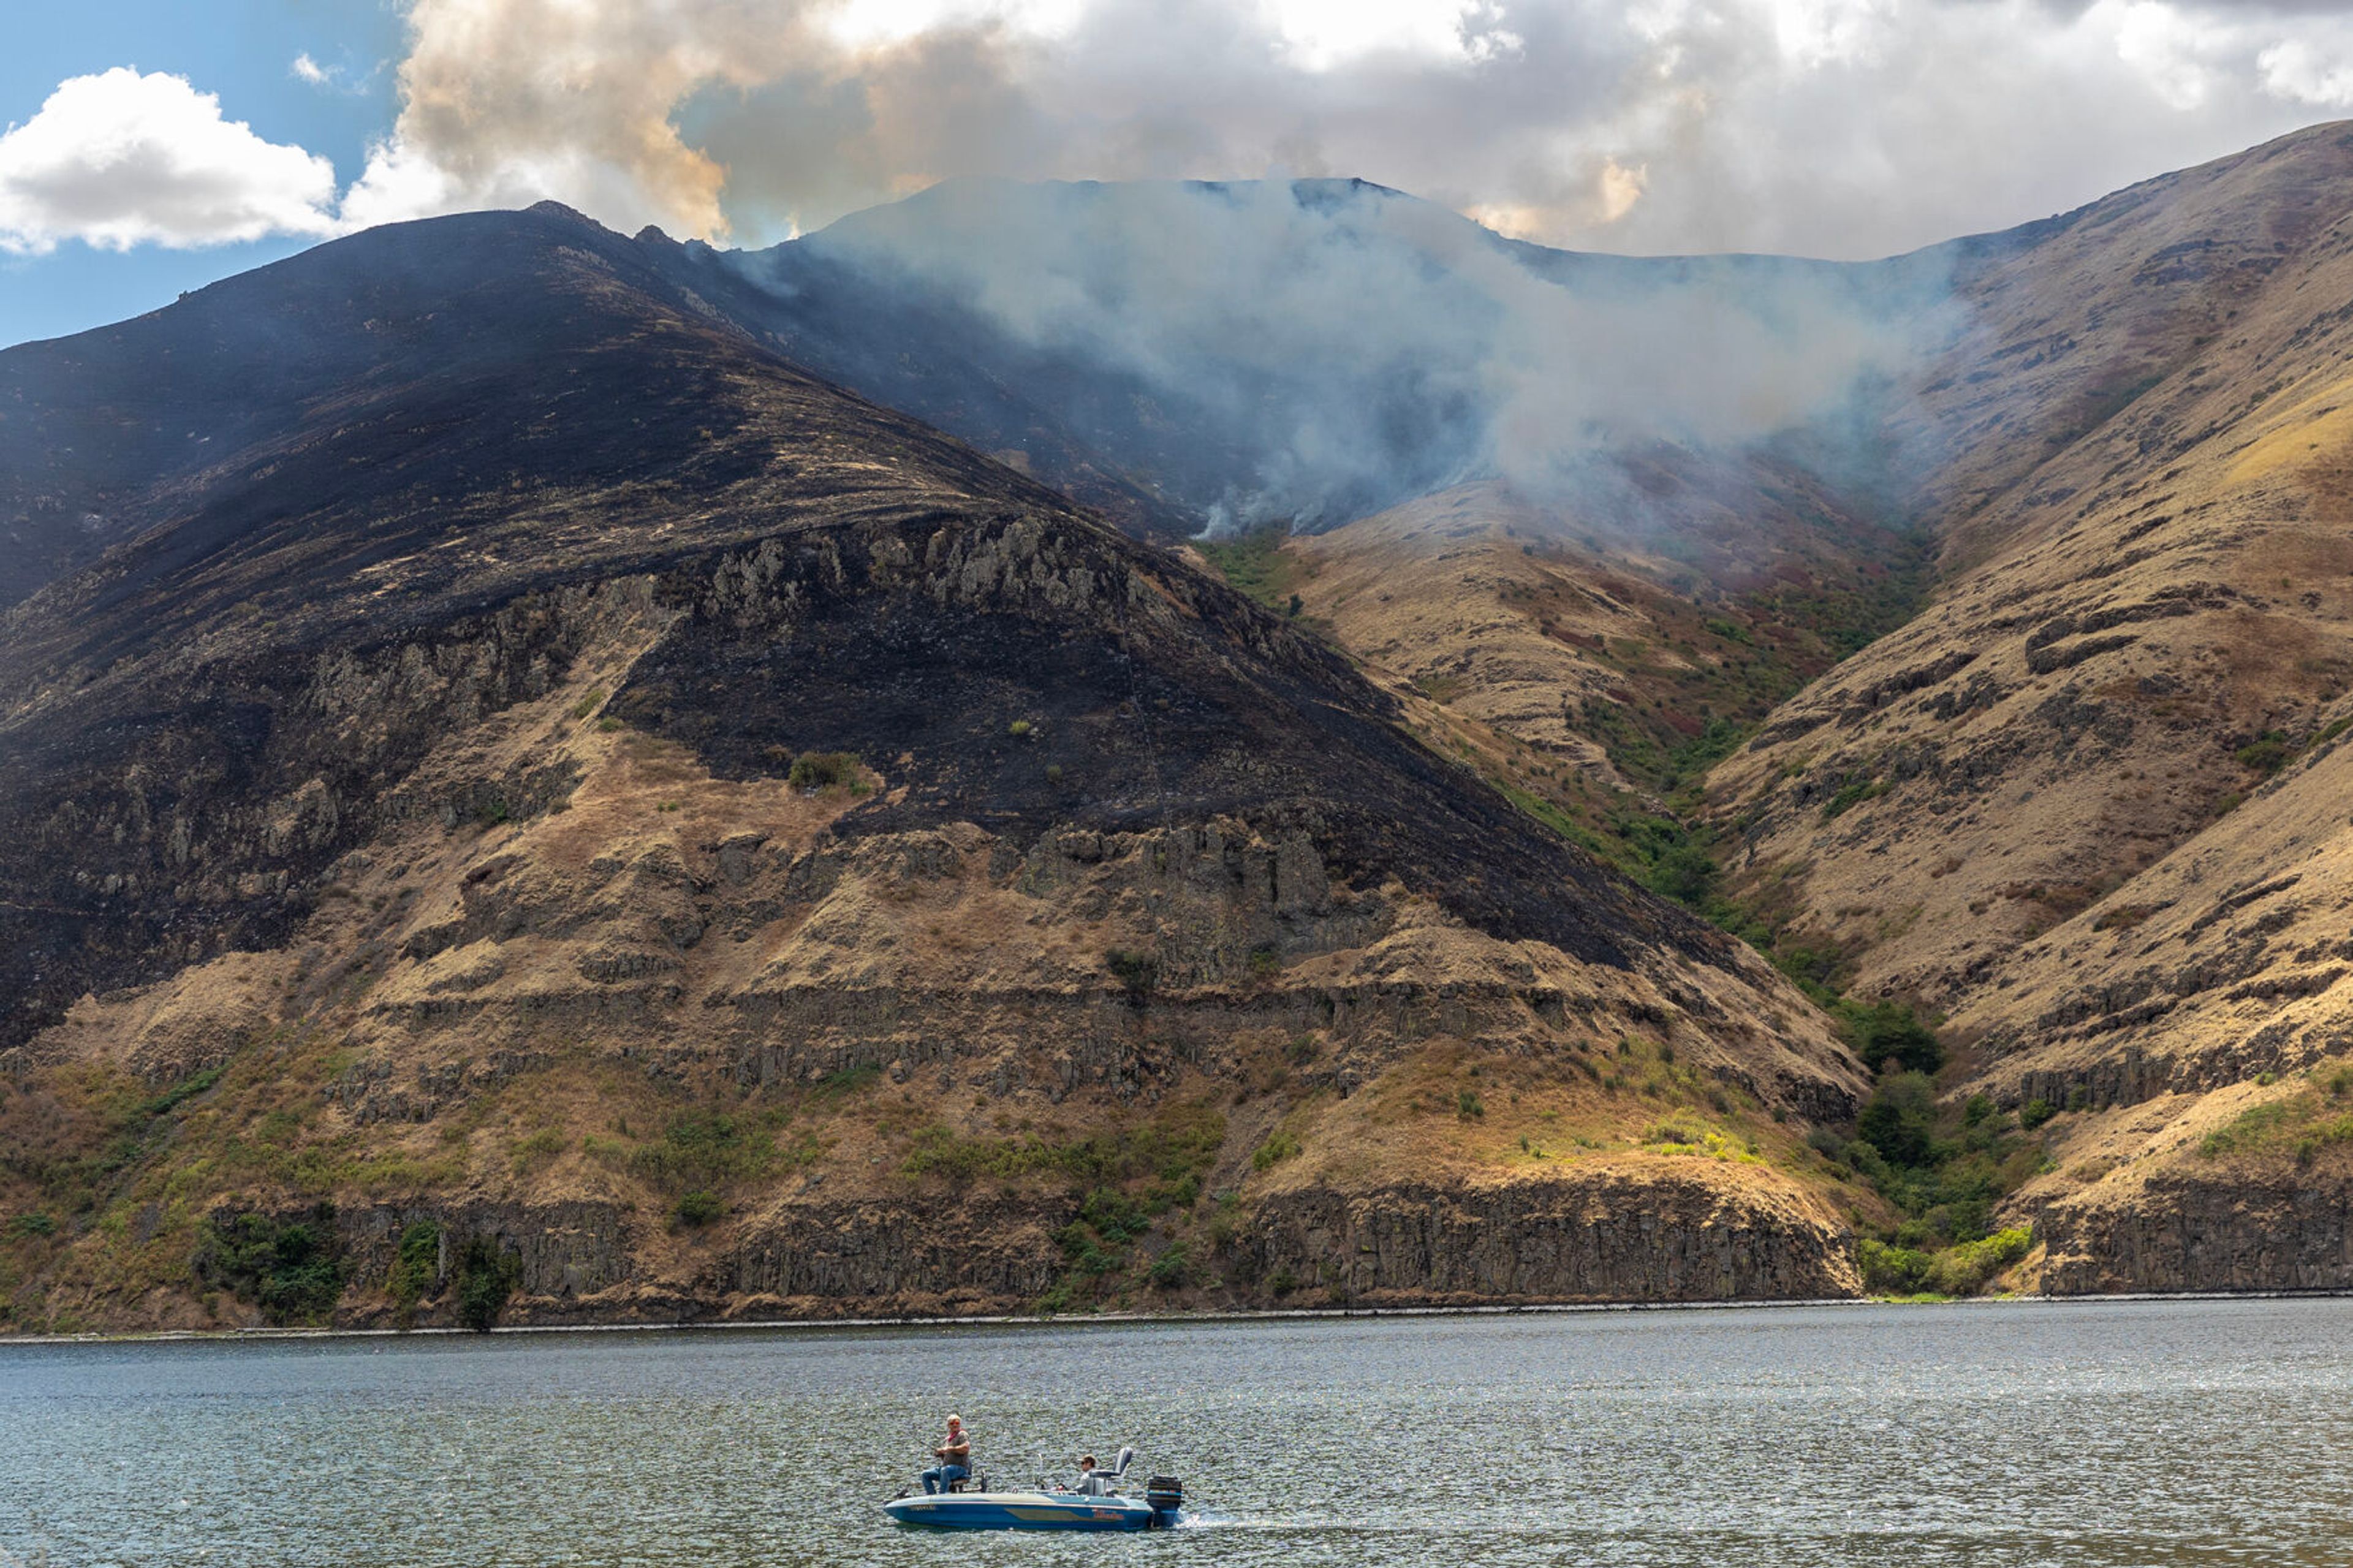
[(560, 1252), (2234, 1229), (973, 1252), (1610, 1237)]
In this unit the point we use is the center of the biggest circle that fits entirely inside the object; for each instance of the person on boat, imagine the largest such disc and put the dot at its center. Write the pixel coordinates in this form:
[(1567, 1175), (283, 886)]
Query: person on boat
[(955, 1457), (1091, 1481)]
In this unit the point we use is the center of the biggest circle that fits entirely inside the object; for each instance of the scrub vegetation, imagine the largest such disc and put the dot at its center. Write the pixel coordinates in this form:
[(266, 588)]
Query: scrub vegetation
[(1122, 1184), (291, 1269), (2299, 1126)]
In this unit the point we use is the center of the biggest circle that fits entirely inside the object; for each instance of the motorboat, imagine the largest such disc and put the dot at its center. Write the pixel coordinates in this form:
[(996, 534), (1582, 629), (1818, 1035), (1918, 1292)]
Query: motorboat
[(1050, 1507)]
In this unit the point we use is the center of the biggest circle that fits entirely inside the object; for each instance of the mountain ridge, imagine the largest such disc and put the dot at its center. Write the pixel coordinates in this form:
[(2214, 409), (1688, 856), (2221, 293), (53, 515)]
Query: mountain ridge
[(607, 797), (562, 778)]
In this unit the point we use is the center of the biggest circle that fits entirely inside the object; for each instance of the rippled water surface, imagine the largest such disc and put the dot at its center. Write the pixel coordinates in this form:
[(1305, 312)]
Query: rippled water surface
[(2128, 1433)]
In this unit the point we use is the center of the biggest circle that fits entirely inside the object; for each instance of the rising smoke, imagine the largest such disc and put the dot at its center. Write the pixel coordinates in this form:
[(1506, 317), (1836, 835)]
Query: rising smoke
[(1329, 347)]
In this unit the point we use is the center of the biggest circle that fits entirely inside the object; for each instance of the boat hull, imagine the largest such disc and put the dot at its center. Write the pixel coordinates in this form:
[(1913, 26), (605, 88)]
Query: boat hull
[(1021, 1511)]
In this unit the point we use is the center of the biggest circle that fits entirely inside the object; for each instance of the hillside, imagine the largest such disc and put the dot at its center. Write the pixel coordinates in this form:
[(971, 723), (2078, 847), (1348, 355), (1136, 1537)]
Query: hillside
[(2037, 810), (496, 748), (566, 815), (2083, 806), (2140, 612)]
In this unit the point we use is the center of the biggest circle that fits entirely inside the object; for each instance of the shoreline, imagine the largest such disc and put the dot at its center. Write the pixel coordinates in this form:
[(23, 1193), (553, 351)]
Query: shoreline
[(1068, 1319)]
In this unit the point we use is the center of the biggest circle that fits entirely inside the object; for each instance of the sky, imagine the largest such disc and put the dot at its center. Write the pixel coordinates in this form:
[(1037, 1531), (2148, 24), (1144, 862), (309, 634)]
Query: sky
[(152, 146)]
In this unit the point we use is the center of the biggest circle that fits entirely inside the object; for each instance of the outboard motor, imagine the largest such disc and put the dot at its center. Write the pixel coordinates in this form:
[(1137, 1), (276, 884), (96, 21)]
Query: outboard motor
[(1167, 1496)]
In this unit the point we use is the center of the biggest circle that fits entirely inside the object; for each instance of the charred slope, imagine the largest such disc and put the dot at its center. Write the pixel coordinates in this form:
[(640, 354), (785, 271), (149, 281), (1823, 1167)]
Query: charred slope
[(414, 796), (840, 579), (167, 415)]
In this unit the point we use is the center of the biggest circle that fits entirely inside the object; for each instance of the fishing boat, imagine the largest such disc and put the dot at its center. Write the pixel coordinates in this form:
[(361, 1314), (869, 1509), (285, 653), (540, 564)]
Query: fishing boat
[(1047, 1507)]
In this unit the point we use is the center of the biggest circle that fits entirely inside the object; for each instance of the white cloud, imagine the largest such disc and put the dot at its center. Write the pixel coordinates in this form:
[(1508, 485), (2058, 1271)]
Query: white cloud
[(1832, 127), (1839, 127), (119, 158), (2300, 72)]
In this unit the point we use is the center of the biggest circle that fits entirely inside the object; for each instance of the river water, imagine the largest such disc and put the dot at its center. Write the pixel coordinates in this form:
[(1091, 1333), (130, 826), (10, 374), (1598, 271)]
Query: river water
[(2103, 1435)]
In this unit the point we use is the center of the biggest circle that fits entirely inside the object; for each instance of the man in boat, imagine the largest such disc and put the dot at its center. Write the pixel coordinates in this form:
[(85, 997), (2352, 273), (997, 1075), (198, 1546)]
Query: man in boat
[(1091, 1481), (955, 1457)]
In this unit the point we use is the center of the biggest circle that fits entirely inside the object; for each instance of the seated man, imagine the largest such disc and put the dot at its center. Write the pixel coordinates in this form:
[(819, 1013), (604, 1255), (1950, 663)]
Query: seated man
[(1090, 1480), (955, 1457)]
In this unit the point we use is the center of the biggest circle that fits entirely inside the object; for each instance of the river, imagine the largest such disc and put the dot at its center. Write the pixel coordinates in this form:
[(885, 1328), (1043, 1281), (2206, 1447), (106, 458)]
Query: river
[(2099, 1433)]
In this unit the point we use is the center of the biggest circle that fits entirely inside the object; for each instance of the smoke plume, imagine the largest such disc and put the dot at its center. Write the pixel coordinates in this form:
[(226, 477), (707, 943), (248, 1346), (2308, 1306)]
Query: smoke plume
[(1327, 347)]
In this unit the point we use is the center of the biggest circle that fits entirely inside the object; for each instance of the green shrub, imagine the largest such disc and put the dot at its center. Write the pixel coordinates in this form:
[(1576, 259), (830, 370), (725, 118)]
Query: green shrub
[(1965, 1270), (35, 1224), (1687, 873), (1018, 728), (1900, 1119), (539, 1148), (2266, 753), (1468, 1107), (172, 1098), (1139, 972), (823, 770), (2035, 1114), (1894, 1270), (698, 1208), (1851, 794), (1879, 1031), (707, 1148), (1171, 1267), (416, 1268), (2300, 1123), (291, 1269), (1279, 1146), (486, 1274)]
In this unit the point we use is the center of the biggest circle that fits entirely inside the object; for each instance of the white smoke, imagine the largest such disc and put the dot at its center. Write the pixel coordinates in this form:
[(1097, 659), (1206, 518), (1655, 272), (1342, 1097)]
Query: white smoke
[(1358, 345)]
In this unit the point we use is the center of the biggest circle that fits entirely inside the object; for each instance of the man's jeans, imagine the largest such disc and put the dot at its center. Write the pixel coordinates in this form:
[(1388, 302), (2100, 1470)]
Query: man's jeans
[(940, 1477)]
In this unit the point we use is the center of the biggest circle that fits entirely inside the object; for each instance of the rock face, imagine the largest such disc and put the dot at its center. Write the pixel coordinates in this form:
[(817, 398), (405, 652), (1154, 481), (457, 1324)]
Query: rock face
[(2285, 1230), (1609, 1237), (573, 778)]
